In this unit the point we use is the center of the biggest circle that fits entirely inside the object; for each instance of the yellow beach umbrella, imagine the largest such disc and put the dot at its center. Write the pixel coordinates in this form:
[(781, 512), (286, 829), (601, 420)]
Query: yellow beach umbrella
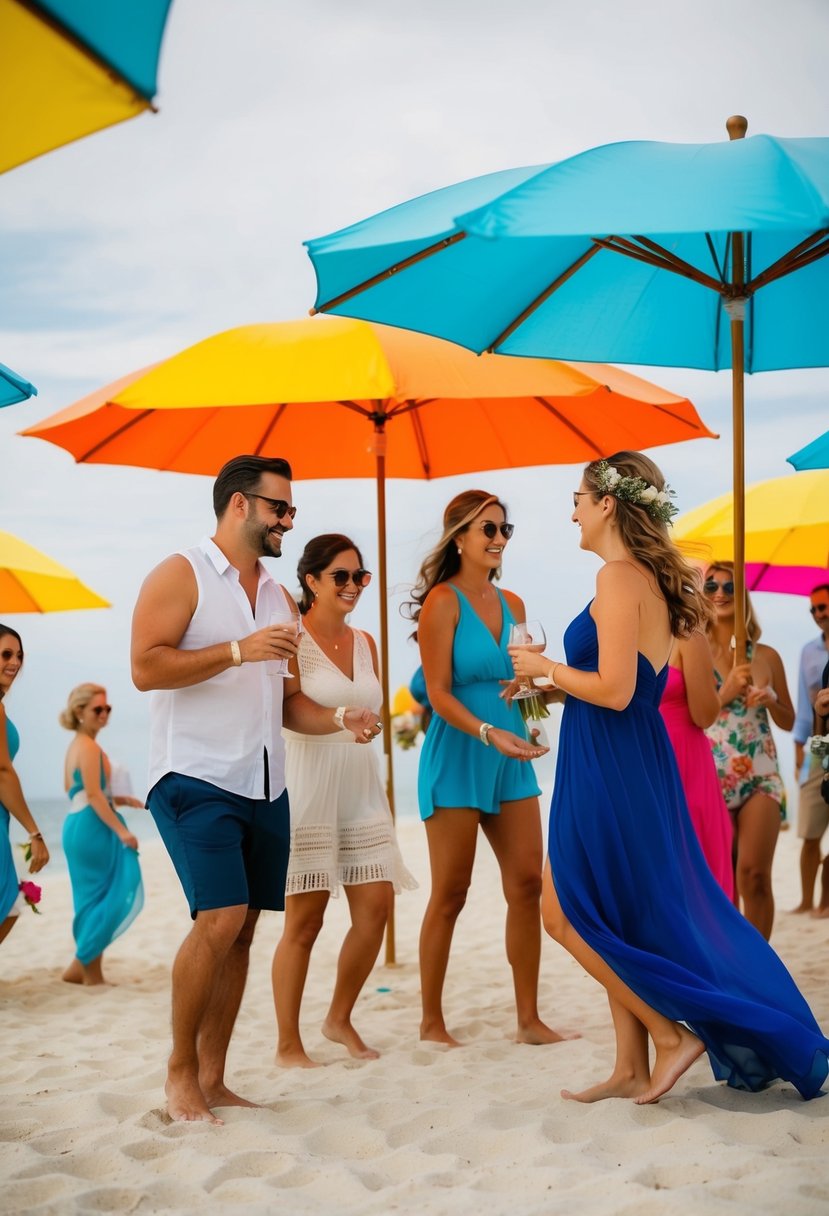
[(68, 69), (787, 523), (32, 582)]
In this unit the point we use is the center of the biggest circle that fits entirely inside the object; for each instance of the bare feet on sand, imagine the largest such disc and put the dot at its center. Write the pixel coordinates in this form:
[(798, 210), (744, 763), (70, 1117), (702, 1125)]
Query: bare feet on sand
[(619, 1085), (89, 977), (220, 1095), (185, 1100), (537, 1034), (800, 909), (820, 913), (345, 1034), (436, 1032), (672, 1060), (294, 1057)]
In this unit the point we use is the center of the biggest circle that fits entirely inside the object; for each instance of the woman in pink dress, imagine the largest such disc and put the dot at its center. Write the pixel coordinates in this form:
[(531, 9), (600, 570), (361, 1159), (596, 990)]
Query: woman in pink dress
[(689, 704)]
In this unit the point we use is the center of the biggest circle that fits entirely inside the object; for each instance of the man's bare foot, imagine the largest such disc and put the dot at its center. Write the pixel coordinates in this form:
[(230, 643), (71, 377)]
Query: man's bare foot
[(537, 1034), (436, 1032), (618, 1085), (220, 1095), (820, 913), (348, 1037), (671, 1062), (801, 908), (294, 1057), (185, 1100)]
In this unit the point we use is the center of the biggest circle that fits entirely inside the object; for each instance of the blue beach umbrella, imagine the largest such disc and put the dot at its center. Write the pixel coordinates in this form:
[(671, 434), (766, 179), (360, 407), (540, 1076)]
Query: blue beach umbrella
[(815, 455), (682, 255), (14, 388)]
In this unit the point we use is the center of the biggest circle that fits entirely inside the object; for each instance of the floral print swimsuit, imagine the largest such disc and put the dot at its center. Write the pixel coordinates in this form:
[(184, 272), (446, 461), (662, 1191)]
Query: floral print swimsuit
[(745, 754)]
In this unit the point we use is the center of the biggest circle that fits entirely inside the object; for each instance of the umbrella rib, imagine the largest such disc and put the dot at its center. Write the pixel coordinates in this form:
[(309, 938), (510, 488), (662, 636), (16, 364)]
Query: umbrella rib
[(811, 250), (116, 434), (269, 429), (438, 247), (43, 15), (701, 430), (645, 251), (714, 258), (406, 407), (354, 405), (571, 426), (420, 439), (543, 297)]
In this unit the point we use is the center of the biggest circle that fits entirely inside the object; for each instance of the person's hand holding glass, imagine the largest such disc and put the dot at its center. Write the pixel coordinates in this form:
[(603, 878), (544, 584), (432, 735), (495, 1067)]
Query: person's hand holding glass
[(289, 624), (526, 638)]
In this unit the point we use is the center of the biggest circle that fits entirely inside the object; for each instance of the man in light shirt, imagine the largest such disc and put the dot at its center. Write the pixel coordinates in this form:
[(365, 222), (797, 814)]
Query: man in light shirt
[(205, 642), (813, 812)]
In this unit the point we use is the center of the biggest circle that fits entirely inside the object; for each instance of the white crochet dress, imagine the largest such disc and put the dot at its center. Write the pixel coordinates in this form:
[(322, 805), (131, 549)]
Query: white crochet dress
[(341, 827)]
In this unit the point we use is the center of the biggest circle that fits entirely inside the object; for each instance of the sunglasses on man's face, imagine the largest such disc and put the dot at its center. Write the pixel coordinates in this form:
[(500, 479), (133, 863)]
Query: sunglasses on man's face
[(815, 609), (279, 507), (711, 587), (101, 709), (491, 530), (360, 578)]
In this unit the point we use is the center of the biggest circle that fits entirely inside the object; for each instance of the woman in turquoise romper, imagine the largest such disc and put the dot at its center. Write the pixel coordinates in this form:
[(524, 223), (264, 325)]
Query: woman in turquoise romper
[(101, 851), (474, 767)]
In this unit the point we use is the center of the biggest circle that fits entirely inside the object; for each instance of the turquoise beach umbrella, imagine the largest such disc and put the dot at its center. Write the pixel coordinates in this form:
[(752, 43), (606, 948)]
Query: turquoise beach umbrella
[(815, 455), (14, 388), (682, 255)]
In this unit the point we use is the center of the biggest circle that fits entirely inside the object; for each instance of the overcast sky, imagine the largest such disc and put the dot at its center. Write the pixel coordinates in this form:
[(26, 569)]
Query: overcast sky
[(282, 121)]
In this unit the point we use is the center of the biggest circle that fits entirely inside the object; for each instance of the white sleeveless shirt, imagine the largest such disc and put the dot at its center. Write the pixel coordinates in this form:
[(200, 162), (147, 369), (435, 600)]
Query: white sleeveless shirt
[(219, 730)]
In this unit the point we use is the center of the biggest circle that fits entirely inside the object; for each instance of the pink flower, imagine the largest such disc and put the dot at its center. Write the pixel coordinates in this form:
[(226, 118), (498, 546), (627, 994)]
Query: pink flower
[(32, 894)]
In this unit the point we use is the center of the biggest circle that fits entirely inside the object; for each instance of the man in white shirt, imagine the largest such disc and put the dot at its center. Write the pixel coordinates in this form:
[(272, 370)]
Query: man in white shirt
[(204, 640), (812, 812)]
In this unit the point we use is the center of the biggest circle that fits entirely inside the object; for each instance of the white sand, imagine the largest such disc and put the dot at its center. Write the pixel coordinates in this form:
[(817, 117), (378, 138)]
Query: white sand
[(423, 1129)]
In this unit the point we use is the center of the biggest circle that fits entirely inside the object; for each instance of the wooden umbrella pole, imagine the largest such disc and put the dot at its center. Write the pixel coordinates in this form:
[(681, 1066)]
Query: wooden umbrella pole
[(379, 448), (736, 308)]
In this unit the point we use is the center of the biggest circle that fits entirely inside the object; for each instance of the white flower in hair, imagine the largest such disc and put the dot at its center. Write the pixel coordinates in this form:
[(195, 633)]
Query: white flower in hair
[(637, 491), (649, 494), (612, 477)]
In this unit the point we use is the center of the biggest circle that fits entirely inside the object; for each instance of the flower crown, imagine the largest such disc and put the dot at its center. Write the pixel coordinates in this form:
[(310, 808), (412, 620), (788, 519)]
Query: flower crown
[(636, 490)]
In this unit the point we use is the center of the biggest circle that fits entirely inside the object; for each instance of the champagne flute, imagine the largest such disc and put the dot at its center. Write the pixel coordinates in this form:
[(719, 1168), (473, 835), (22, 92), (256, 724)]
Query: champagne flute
[(528, 635), (279, 667)]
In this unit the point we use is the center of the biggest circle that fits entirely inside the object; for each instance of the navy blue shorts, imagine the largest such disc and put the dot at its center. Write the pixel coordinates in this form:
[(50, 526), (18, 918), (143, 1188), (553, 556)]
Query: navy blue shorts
[(226, 849)]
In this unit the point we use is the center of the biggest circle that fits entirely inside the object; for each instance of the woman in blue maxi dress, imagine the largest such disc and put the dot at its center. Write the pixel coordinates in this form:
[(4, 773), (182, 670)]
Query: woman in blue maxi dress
[(627, 889), (101, 851), (12, 802)]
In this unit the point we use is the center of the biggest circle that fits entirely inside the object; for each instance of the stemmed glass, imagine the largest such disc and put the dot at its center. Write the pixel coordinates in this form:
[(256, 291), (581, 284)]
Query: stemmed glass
[(528, 635), (279, 667)]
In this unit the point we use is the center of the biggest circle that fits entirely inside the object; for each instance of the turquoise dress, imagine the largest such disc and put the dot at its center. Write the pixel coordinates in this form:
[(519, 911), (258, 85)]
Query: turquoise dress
[(107, 890), (456, 769), (9, 882)]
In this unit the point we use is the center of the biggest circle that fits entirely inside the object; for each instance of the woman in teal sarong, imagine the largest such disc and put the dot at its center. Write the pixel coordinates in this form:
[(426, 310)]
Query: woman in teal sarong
[(101, 851)]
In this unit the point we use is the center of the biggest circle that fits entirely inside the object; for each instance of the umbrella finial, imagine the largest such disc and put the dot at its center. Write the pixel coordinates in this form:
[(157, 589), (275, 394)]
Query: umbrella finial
[(736, 126)]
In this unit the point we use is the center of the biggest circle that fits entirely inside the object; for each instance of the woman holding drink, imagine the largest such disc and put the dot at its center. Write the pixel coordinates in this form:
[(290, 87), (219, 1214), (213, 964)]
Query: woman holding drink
[(474, 769)]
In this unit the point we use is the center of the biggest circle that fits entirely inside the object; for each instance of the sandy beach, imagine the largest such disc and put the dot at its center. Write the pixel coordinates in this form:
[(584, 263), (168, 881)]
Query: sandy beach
[(423, 1129)]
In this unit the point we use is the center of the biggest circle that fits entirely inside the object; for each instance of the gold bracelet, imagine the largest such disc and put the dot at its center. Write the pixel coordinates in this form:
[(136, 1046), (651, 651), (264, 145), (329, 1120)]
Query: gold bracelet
[(236, 654), (551, 673)]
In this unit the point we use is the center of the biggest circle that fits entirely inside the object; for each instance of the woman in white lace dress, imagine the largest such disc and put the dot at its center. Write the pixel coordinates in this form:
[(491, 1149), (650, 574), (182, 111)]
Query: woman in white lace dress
[(342, 832)]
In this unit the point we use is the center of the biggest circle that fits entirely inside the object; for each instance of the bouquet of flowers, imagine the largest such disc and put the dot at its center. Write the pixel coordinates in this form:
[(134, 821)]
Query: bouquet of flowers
[(406, 718), (32, 894), (533, 709)]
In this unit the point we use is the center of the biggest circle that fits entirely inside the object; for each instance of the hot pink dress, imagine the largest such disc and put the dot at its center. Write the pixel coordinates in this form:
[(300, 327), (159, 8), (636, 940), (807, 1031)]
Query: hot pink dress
[(698, 773)]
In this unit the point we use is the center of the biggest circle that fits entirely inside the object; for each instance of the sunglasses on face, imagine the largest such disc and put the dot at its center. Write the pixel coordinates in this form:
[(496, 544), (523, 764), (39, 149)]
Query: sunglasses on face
[(360, 578), (98, 710), (491, 530), (815, 609), (5, 655), (711, 587), (279, 507)]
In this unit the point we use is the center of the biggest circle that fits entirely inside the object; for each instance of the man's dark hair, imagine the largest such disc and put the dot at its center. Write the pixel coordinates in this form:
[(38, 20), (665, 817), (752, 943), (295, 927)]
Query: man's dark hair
[(242, 475), (820, 587)]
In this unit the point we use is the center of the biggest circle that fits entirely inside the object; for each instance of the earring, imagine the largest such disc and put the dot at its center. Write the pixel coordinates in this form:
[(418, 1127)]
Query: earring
[(460, 550)]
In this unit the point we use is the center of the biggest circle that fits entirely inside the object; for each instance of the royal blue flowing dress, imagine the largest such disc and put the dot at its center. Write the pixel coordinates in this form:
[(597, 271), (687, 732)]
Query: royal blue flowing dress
[(632, 880), (9, 882), (107, 890)]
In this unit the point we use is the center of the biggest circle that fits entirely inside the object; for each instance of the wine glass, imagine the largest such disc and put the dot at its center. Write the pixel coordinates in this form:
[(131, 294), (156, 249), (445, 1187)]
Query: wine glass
[(529, 635), (279, 667)]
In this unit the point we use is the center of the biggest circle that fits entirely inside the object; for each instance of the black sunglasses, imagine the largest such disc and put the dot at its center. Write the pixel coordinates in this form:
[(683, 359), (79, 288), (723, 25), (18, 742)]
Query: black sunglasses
[(101, 709), (360, 578), (5, 655), (815, 609), (711, 587), (490, 530), (278, 505)]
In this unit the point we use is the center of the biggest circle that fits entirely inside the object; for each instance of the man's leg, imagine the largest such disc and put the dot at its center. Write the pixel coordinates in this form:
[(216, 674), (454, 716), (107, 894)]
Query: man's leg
[(220, 1018), (197, 967)]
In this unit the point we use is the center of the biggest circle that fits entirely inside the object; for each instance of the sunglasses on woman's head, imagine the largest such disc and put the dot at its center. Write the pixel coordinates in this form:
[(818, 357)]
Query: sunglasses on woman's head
[(101, 709), (490, 530), (360, 578), (711, 587)]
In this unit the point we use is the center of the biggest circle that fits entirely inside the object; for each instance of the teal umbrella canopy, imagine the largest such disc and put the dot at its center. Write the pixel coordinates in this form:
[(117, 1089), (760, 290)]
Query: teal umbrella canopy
[(566, 260), (14, 388), (815, 455)]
